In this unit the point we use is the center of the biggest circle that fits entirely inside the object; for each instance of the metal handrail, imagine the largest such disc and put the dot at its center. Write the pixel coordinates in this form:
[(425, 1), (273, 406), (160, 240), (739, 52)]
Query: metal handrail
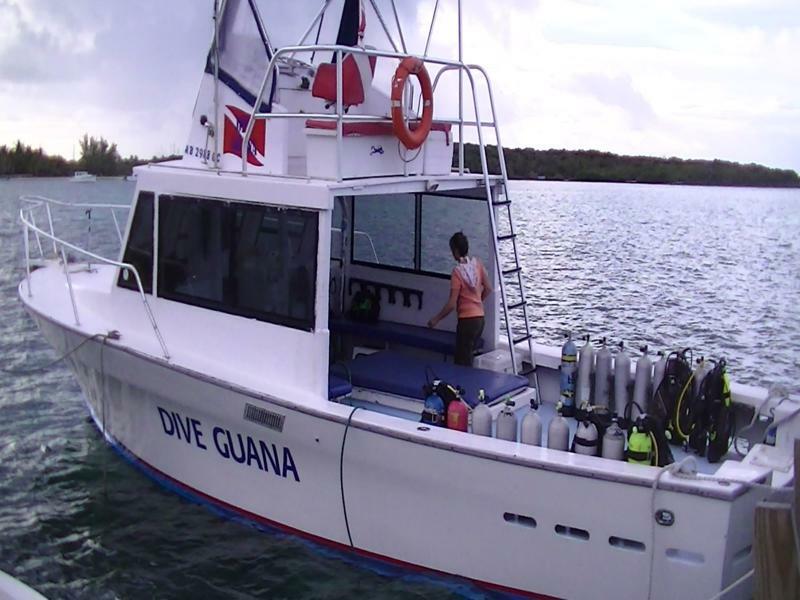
[(28, 221), (339, 116)]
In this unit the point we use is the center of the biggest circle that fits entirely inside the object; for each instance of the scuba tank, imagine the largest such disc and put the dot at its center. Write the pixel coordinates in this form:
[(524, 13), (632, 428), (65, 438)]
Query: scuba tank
[(558, 431), (622, 380), (602, 375), (585, 440), (457, 414), (433, 411), (530, 431), (659, 368), (700, 371), (482, 417), (507, 423), (585, 368), (614, 442), (569, 358), (641, 385), (640, 445)]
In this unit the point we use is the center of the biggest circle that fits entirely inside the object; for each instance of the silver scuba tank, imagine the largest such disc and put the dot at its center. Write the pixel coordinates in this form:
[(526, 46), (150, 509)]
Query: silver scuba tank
[(614, 442), (602, 375), (585, 441), (585, 368), (659, 368), (641, 384), (506, 428), (530, 430), (569, 365), (482, 417), (558, 431), (622, 380), (701, 370)]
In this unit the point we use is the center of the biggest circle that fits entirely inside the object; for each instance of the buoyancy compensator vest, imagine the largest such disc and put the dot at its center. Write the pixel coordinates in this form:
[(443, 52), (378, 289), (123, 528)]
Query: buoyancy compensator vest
[(673, 400), (365, 307), (646, 435), (713, 415)]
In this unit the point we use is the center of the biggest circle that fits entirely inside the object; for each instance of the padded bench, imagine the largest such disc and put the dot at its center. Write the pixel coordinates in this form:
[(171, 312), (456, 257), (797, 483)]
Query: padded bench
[(338, 387), (436, 340), (402, 375)]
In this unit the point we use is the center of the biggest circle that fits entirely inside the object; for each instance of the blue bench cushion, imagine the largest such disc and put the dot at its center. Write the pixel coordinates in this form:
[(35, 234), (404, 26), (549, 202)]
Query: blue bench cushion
[(436, 340), (338, 387), (396, 373)]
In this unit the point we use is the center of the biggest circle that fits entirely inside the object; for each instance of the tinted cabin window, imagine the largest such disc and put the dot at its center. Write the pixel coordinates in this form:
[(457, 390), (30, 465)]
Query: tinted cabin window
[(244, 259), (441, 217), (139, 251), (384, 230)]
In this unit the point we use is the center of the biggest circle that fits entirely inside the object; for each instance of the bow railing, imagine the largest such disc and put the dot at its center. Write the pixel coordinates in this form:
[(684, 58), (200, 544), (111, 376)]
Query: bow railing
[(33, 205)]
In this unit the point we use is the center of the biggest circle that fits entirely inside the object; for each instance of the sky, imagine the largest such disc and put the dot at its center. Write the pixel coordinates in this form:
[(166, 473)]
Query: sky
[(688, 78)]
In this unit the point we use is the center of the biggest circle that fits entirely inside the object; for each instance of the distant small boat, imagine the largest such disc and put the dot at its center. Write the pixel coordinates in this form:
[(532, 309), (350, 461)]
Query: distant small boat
[(83, 177)]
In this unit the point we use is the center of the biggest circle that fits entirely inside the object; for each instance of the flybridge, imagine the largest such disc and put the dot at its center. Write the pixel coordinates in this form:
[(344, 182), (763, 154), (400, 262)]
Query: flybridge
[(318, 110)]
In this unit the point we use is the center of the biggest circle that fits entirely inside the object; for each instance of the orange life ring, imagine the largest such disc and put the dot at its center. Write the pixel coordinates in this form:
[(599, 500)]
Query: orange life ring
[(411, 139)]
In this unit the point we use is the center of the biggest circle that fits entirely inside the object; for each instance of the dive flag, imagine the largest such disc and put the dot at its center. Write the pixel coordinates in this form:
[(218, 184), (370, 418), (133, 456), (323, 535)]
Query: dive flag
[(234, 134)]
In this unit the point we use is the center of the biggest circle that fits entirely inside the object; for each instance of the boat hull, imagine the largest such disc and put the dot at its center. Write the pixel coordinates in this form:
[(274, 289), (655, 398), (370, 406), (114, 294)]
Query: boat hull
[(344, 479)]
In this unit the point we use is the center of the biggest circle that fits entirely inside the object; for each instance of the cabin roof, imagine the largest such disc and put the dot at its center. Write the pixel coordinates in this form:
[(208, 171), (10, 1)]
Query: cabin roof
[(175, 177)]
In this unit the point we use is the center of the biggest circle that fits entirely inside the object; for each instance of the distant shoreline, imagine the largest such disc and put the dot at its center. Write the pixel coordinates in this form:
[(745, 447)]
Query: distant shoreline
[(605, 167)]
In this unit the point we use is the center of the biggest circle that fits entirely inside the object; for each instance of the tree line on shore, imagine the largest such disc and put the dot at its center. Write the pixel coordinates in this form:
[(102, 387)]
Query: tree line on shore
[(592, 165), (97, 156), (100, 157)]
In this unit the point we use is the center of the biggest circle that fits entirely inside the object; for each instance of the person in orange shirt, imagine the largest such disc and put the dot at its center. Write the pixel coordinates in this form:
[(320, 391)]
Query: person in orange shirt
[(469, 287)]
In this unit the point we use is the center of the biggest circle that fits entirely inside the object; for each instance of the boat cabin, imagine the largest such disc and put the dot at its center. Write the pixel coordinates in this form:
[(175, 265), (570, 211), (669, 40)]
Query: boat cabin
[(263, 272)]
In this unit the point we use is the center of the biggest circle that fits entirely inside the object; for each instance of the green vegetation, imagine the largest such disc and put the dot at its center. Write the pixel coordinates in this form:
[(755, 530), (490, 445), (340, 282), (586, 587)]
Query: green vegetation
[(98, 156), (591, 165)]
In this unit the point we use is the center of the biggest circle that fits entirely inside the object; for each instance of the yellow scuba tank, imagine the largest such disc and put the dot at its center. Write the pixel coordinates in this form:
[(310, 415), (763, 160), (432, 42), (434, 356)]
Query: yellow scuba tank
[(640, 447)]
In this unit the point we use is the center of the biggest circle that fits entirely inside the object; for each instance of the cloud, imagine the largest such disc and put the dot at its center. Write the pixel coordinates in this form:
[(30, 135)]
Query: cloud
[(691, 78), (618, 92)]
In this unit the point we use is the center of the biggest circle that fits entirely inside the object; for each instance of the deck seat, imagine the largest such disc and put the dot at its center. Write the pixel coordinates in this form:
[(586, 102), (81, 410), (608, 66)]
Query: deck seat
[(389, 332), (338, 387), (395, 373), (357, 73)]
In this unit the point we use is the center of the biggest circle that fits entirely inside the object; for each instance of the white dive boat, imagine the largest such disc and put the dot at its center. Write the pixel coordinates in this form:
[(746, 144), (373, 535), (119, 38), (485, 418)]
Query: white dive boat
[(83, 177), (216, 352)]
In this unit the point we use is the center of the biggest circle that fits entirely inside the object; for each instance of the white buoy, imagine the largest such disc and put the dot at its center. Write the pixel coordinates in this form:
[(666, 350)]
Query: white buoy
[(482, 417), (558, 432), (622, 380), (530, 431), (506, 428)]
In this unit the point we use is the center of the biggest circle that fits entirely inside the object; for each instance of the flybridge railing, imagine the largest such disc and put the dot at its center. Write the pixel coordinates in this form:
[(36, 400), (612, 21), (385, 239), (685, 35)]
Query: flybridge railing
[(341, 117), (27, 215)]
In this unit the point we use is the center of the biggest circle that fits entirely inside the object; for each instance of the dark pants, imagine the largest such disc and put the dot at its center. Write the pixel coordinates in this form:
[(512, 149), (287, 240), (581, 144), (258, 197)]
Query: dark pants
[(467, 333)]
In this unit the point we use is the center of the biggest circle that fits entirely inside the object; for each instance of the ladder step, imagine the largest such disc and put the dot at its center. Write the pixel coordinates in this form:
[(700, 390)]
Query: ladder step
[(503, 238), (527, 372), (501, 203), (516, 305), (524, 338), (512, 271)]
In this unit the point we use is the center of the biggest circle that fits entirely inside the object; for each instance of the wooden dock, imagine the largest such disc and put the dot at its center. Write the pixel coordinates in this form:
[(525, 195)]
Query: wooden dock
[(776, 543)]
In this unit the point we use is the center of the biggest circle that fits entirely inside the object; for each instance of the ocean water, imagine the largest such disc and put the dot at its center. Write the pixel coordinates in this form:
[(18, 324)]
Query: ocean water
[(717, 269)]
